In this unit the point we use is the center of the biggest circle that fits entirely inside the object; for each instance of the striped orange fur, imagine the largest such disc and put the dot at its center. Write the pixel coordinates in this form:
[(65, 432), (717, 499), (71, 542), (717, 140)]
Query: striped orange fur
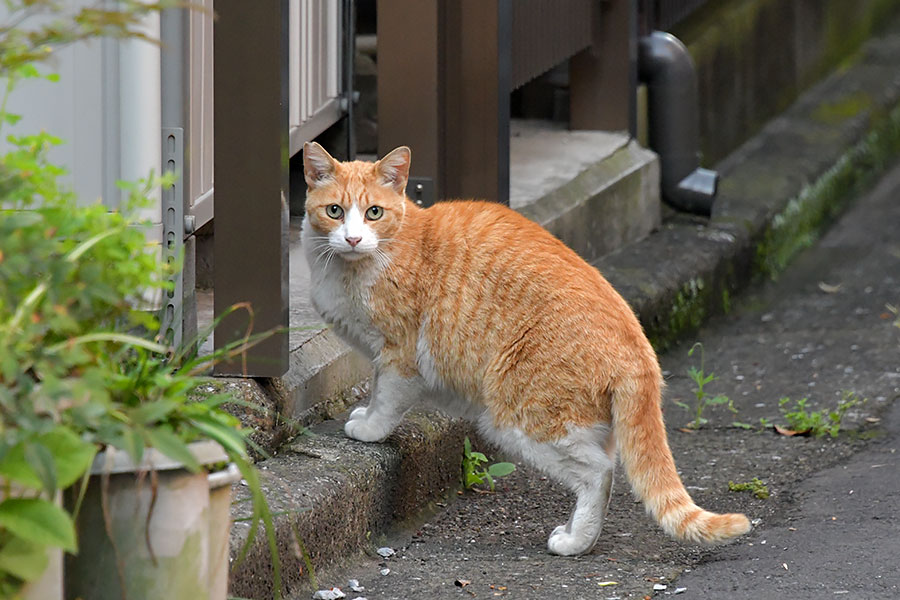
[(486, 313)]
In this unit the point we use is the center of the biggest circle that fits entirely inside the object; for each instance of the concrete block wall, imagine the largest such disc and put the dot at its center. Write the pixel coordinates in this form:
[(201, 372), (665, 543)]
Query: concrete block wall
[(754, 58)]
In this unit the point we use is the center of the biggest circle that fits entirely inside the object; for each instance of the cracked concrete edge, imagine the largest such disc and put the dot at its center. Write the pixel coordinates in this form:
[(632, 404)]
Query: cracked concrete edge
[(331, 495)]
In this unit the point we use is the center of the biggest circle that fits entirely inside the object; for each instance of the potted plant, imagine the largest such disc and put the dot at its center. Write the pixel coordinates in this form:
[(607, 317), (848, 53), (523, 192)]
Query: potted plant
[(77, 378), (97, 415)]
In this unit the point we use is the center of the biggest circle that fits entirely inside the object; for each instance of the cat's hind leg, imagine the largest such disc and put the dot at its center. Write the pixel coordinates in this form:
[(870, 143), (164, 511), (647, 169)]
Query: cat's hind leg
[(583, 461), (392, 395), (580, 534), (586, 465)]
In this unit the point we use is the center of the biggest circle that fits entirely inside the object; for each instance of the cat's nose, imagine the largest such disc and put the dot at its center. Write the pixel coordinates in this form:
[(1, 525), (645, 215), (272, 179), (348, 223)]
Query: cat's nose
[(353, 241)]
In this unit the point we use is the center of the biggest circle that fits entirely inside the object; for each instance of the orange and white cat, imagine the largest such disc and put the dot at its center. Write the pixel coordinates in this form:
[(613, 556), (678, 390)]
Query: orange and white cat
[(486, 314)]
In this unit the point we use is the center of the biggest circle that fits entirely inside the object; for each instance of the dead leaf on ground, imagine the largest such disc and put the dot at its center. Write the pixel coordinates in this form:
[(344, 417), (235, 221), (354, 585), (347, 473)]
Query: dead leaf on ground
[(872, 420), (461, 583), (790, 432), (830, 289), (686, 430)]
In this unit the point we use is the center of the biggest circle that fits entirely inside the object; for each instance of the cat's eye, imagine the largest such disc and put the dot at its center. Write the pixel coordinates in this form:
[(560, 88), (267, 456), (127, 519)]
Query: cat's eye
[(334, 211), (374, 213)]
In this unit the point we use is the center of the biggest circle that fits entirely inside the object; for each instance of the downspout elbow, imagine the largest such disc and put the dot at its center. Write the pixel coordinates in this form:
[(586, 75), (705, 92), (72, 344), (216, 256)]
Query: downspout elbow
[(673, 122)]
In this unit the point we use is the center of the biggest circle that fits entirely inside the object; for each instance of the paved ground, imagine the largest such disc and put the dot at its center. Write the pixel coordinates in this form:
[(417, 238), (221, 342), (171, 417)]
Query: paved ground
[(828, 528)]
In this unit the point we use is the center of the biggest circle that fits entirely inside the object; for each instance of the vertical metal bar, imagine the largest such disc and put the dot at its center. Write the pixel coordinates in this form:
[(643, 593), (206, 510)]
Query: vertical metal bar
[(251, 171), (603, 78), (173, 35), (171, 320), (111, 138), (348, 52)]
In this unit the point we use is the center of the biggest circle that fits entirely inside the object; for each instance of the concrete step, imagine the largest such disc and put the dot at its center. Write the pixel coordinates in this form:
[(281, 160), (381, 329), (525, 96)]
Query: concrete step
[(597, 191), (778, 192)]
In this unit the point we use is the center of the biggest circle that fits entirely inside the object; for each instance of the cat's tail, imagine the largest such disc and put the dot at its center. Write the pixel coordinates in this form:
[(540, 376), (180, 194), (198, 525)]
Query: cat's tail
[(644, 450)]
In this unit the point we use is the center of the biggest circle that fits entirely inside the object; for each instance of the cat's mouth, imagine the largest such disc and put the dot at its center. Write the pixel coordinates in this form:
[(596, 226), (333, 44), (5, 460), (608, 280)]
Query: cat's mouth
[(354, 254)]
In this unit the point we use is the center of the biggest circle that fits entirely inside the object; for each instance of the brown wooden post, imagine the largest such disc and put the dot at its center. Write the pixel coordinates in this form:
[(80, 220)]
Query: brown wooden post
[(444, 73), (251, 179), (410, 100), (603, 78), (478, 63)]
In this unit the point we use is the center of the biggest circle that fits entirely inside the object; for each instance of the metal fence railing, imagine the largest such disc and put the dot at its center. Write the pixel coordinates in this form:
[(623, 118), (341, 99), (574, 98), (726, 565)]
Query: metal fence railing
[(316, 86)]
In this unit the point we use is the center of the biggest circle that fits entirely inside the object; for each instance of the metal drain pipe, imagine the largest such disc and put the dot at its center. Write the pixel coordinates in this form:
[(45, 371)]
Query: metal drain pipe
[(665, 65)]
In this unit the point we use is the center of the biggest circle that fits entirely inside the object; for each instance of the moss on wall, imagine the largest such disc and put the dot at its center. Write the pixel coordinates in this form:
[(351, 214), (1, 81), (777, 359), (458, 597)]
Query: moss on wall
[(754, 57), (806, 216)]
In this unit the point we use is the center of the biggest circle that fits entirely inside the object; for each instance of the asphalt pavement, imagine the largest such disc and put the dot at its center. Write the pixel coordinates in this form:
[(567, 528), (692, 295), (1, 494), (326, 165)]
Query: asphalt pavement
[(840, 537)]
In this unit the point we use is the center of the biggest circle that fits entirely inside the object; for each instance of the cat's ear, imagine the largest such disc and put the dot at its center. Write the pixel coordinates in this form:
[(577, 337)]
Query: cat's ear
[(318, 166), (393, 169)]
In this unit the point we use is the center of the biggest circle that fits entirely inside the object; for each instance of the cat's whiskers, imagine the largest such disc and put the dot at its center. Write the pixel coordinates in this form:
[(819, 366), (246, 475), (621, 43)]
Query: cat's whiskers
[(384, 261), (327, 253)]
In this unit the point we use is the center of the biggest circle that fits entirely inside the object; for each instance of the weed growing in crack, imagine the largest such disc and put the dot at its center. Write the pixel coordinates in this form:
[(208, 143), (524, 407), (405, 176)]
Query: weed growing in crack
[(474, 472), (814, 422), (754, 486), (703, 399)]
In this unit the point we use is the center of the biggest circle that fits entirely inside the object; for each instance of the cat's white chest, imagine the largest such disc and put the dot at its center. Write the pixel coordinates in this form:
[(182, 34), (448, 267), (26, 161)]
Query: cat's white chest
[(341, 297)]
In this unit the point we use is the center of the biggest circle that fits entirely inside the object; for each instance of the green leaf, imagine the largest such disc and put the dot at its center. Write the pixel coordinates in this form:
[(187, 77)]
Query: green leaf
[(133, 444), (11, 118), (474, 478), (14, 467), (230, 439), (477, 457), (23, 559), (718, 400), (683, 405), (27, 71), (71, 455), (467, 446), (25, 463), (741, 425), (41, 462), (501, 469), (38, 521), (167, 442), (153, 412)]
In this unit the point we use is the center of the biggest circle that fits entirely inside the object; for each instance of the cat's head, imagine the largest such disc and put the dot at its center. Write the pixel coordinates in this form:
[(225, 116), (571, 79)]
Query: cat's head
[(356, 205)]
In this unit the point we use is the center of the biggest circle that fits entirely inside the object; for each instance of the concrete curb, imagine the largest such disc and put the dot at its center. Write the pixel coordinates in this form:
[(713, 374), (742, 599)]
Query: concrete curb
[(779, 191), (596, 211)]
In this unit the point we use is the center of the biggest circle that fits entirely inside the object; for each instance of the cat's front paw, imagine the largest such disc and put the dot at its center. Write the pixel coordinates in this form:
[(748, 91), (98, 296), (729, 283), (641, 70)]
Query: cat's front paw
[(363, 429), (563, 543)]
